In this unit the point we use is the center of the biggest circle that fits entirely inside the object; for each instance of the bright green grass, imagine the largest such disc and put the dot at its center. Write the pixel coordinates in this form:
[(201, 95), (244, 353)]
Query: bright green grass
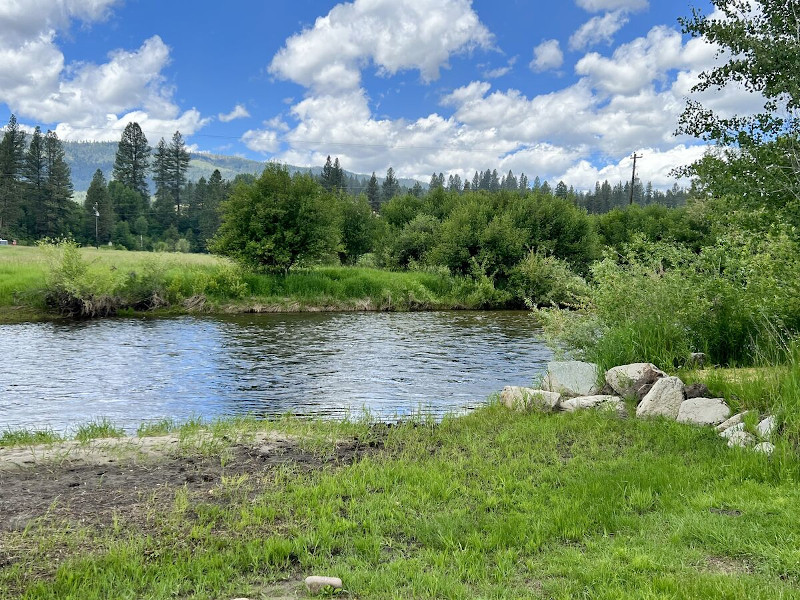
[(99, 429), (492, 505), (21, 437)]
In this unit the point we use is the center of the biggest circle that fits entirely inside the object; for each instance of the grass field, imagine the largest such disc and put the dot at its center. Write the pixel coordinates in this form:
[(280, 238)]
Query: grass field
[(205, 283), (491, 505)]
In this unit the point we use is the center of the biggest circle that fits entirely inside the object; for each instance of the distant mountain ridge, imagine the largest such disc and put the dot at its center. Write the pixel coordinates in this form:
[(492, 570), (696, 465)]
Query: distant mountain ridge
[(84, 158)]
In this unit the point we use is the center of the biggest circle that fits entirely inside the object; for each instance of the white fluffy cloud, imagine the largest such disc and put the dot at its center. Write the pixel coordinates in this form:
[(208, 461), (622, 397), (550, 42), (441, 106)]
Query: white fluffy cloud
[(597, 30), (606, 5), (547, 56), (394, 36), (85, 99), (262, 140), (238, 112)]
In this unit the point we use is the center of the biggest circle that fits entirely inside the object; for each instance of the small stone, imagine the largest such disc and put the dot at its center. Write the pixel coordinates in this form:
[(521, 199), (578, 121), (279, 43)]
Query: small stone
[(522, 398), (316, 584), (571, 378), (623, 377), (764, 447), (741, 439), (584, 402), (697, 390), (664, 400), (734, 420), (703, 411), (767, 427), (732, 430)]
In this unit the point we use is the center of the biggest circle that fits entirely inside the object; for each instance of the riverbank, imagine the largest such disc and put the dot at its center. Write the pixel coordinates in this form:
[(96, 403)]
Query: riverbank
[(136, 283), (493, 504)]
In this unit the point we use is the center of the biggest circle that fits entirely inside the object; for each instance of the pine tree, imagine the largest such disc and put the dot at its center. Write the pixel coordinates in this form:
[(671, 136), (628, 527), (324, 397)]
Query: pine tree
[(561, 190), (178, 165), (12, 162), (338, 180), (58, 187), (476, 181), (132, 161), (35, 174), (546, 189), (434, 183), (327, 176), (523, 182), (169, 173), (374, 193), (390, 186), (97, 211), (416, 190)]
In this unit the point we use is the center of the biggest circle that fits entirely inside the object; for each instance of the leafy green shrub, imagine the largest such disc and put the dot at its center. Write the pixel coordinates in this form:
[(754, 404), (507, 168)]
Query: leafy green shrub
[(541, 280)]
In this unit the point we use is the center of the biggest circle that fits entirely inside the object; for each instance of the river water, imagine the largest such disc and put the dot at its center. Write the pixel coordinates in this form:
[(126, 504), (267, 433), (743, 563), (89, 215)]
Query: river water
[(59, 375)]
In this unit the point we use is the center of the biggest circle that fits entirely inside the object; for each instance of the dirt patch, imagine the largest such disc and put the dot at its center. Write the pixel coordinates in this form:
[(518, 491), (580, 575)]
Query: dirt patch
[(87, 484), (726, 565)]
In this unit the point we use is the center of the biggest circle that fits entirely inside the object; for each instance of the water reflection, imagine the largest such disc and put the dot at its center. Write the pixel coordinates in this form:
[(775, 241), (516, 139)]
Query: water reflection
[(391, 364)]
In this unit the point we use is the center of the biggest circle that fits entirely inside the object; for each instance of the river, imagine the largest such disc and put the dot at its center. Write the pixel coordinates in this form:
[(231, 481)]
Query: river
[(332, 365)]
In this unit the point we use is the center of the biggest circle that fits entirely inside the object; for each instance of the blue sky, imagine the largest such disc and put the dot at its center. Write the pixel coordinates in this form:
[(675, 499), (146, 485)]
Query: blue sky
[(564, 90)]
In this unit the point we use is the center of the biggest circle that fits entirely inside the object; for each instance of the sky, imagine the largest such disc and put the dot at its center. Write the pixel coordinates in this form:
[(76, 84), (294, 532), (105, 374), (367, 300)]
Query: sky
[(563, 89)]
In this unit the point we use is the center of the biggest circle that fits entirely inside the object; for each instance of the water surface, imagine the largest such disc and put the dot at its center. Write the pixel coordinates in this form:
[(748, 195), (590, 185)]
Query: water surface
[(59, 375)]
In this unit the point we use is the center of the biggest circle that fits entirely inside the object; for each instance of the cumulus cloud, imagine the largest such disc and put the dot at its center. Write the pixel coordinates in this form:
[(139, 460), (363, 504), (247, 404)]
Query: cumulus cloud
[(608, 5), (238, 112), (393, 36), (83, 98), (547, 56), (264, 141), (598, 30)]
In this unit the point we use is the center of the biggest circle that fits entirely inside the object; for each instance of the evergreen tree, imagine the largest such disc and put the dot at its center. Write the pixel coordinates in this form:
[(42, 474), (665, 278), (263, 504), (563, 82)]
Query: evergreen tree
[(537, 183), (12, 163), (476, 181), (327, 176), (523, 182), (561, 190), (390, 186), (374, 193), (169, 173), (435, 183), (132, 161), (208, 219), (338, 181), (35, 174), (546, 189), (97, 211), (57, 188), (510, 182), (417, 190), (454, 183)]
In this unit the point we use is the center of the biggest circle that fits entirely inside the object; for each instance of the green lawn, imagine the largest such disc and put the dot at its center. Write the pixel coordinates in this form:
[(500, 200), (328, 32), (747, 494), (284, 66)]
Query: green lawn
[(491, 505)]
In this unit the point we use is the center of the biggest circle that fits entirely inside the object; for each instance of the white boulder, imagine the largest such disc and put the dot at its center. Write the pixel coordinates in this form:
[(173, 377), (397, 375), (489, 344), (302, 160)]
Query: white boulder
[(584, 402), (767, 427), (623, 377), (522, 398), (316, 584), (572, 378), (732, 430), (741, 439), (764, 447), (663, 400), (734, 420), (704, 411)]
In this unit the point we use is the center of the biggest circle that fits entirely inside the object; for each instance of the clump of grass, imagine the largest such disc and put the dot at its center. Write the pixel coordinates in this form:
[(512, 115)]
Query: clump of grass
[(156, 428), (99, 429), (25, 437)]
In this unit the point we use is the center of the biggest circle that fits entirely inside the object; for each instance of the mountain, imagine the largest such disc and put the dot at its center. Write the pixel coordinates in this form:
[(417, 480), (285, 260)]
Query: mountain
[(84, 158)]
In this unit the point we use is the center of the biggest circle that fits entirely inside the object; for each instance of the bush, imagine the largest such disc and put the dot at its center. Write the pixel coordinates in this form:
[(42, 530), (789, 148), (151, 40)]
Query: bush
[(541, 280)]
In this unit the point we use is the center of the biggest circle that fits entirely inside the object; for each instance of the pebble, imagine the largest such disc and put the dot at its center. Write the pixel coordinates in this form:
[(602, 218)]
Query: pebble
[(315, 583), (764, 447), (741, 439)]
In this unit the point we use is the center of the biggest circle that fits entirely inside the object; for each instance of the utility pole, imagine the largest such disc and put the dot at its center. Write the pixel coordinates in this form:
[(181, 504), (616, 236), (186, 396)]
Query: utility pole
[(96, 220), (633, 177)]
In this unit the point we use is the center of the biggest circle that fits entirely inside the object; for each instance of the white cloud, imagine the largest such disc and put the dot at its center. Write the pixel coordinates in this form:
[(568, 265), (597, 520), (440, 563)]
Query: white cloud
[(394, 36), (546, 56), (261, 140), (598, 30), (83, 98), (238, 112), (607, 5), (500, 71)]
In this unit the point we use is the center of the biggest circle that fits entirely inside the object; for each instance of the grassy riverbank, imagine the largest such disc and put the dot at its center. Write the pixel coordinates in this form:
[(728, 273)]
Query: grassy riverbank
[(494, 504), (183, 283)]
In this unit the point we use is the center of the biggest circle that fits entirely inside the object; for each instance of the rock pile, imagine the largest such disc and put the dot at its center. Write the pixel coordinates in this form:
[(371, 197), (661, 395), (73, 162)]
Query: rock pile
[(573, 385)]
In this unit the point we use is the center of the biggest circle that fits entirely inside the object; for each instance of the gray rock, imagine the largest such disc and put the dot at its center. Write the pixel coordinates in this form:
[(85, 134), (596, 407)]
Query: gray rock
[(572, 378), (697, 390), (767, 427), (641, 391), (522, 398), (615, 404), (316, 584), (584, 402), (607, 390), (764, 447), (734, 420), (704, 411), (741, 439), (623, 378), (696, 360), (645, 383), (664, 400), (732, 430)]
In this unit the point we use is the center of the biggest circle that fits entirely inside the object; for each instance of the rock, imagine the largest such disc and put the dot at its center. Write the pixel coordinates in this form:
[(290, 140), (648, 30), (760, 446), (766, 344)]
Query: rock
[(607, 390), (732, 430), (734, 420), (623, 378), (315, 584), (615, 404), (697, 360), (522, 398), (767, 427), (704, 411), (645, 383), (741, 439), (583, 402), (697, 390), (764, 447), (572, 378), (664, 400), (642, 391)]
